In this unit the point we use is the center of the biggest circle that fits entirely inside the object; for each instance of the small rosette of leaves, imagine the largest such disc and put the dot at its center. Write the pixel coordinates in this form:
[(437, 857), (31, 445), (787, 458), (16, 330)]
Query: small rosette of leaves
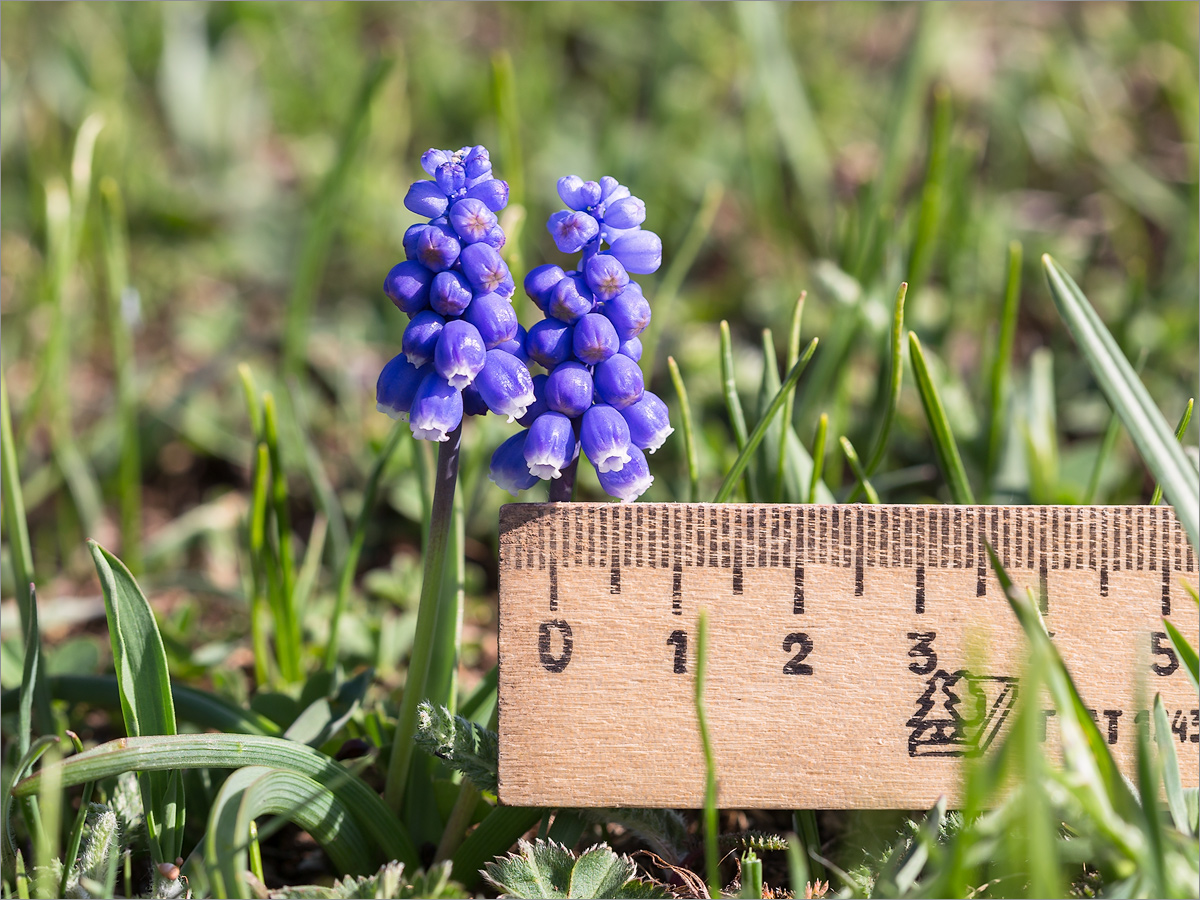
[(462, 352), (592, 397), (389, 883), (548, 869)]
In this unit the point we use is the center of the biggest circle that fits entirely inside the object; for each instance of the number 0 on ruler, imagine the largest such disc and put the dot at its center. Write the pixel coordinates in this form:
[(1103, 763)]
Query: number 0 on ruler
[(857, 653)]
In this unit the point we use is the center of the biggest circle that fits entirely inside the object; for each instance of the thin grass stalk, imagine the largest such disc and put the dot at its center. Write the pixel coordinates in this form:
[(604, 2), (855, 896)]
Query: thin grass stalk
[(76, 836), (929, 211), (818, 456), (793, 355), (350, 564), (864, 483), (895, 378), (1001, 375), (288, 626), (1180, 431), (760, 430), (1107, 443), (323, 220), (761, 471), (21, 557), (711, 859), (943, 438), (689, 433), (440, 520), (458, 821), (129, 468), (259, 564)]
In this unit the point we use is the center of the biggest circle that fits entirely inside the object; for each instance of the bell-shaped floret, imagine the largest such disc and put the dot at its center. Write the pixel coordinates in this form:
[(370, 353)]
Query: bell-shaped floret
[(605, 276), (629, 312), (396, 387), (460, 353), (640, 252), (492, 191), (472, 220), (495, 318), (486, 271), (477, 162), (539, 404), (516, 345), (549, 342), (505, 385), (407, 286), (571, 230), (570, 299), (550, 446), (631, 480), (569, 390), (649, 422), (437, 409), (605, 438), (595, 339), (432, 158), (449, 294), (438, 247), (509, 471), (619, 381), (426, 199), (540, 282), (451, 177), (629, 212), (421, 337), (632, 348), (577, 193)]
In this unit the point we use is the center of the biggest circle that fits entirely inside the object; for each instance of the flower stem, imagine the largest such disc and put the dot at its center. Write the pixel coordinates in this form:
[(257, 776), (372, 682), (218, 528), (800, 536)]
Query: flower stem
[(440, 519), (562, 489)]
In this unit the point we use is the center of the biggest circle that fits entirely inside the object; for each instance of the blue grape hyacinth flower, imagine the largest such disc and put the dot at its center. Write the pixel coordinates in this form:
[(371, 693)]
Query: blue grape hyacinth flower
[(592, 397), (460, 355)]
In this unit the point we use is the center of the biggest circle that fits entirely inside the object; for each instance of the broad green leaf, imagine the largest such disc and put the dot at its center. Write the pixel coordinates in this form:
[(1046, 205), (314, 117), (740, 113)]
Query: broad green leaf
[(1129, 399), (256, 791), (548, 869), (233, 751), (145, 688)]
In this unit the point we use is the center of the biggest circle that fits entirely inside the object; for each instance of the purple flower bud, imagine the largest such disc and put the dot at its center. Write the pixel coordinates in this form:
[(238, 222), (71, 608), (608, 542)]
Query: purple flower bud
[(396, 387), (626, 213), (595, 339), (492, 191), (495, 238), (577, 193), (550, 445), (438, 247), (570, 299), (612, 190), (437, 409), (569, 389), (606, 276), (516, 345), (472, 220), (631, 480), (618, 381), (486, 271), (477, 162), (473, 404), (640, 252), (539, 404), (432, 158), (629, 312), (407, 285), (426, 199), (460, 353), (571, 230), (449, 294), (509, 471), (605, 438), (495, 318), (412, 235), (421, 337), (505, 385), (549, 342), (632, 348), (540, 282), (649, 422), (451, 178)]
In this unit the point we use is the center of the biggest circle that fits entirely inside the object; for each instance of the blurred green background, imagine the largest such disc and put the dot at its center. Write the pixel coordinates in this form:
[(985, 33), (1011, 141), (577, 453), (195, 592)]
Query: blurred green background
[(262, 151)]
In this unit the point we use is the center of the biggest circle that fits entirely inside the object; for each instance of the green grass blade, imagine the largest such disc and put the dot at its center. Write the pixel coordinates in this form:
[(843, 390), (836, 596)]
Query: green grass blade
[(129, 468), (895, 377), (31, 673), (256, 791), (1187, 653), (689, 432), (310, 567), (323, 219), (504, 96), (818, 456), (442, 689), (857, 468), (260, 563), (733, 404), (232, 751), (760, 430), (1129, 398), (1107, 443), (710, 766), (287, 629), (1153, 860), (499, 830), (1180, 431), (358, 538), (793, 356), (1172, 784), (943, 438), (1001, 374), (681, 263), (253, 401), (760, 470), (929, 210), (797, 866), (76, 835)]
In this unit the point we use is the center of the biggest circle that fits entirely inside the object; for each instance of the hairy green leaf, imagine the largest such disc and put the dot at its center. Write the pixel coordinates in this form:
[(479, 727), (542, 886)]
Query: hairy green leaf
[(469, 748), (548, 869)]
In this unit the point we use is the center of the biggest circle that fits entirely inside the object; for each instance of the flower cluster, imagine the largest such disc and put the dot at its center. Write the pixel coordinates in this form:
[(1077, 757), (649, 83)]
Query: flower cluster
[(463, 350), (592, 395)]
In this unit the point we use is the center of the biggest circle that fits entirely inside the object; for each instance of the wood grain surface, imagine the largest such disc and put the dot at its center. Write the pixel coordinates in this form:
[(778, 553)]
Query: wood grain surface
[(857, 653)]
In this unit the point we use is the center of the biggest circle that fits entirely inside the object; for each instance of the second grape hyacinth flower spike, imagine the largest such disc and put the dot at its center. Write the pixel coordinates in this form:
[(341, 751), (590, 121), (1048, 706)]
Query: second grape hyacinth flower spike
[(462, 352), (592, 397)]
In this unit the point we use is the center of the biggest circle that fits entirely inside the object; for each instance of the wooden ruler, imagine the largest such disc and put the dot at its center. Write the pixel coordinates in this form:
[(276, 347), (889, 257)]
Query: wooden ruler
[(857, 653)]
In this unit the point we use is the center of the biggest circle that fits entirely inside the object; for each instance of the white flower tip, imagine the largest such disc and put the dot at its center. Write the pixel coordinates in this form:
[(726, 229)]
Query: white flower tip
[(613, 463), (545, 471)]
